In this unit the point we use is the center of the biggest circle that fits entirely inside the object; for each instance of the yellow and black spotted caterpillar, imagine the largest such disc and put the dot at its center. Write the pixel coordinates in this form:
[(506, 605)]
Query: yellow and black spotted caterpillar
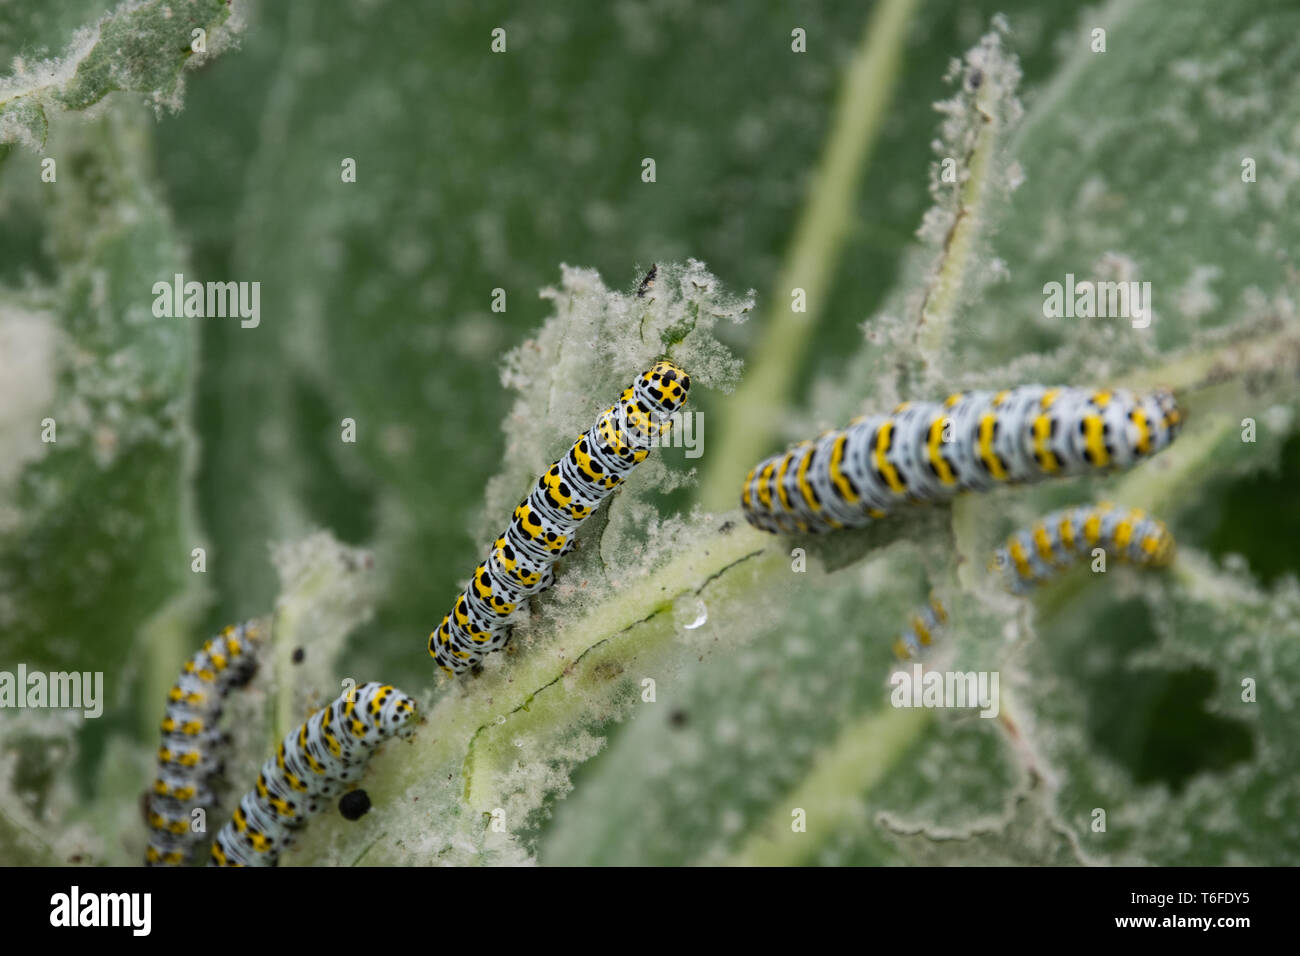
[(312, 765), (544, 524), (190, 755), (930, 451), (1033, 556), (924, 626), (1037, 553)]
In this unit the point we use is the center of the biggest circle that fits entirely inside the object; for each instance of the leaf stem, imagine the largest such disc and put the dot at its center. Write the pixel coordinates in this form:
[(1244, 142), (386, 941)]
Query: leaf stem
[(954, 259), (468, 730), (750, 415), (831, 791)]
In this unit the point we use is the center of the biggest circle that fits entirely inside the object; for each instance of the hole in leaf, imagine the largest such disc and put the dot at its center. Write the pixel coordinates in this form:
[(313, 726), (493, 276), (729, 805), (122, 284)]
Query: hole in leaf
[(1259, 517), (1155, 723), (1167, 735)]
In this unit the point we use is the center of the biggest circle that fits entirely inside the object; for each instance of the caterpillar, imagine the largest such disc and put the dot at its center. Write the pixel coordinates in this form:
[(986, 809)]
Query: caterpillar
[(930, 451), (189, 756), (926, 624), (310, 767), (542, 529), (1038, 553)]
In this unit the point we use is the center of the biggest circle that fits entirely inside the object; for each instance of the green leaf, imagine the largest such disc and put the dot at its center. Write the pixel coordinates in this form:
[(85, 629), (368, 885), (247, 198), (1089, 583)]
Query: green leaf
[(142, 46), (1020, 793), (479, 172), (96, 536)]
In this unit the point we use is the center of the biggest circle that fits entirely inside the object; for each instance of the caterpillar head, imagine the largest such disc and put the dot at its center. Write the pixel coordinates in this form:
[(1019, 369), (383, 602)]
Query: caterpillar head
[(1172, 413), (665, 386)]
